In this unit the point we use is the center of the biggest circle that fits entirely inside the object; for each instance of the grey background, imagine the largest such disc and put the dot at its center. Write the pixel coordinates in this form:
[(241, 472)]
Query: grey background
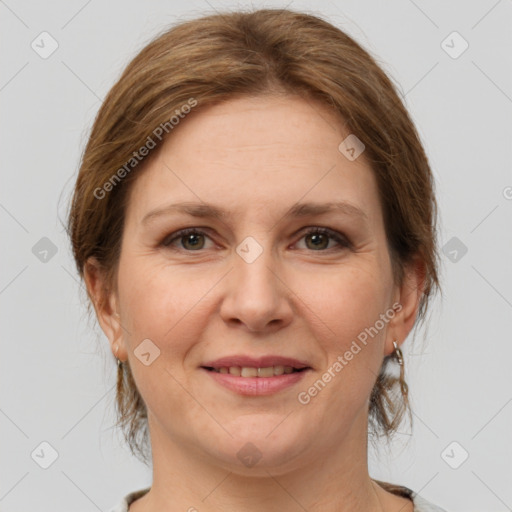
[(57, 375)]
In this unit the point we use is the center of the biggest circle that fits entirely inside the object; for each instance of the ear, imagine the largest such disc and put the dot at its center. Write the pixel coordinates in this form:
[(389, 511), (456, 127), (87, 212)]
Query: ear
[(406, 299), (105, 305)]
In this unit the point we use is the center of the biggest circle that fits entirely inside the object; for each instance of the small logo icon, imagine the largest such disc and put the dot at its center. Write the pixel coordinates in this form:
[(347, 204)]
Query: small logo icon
[(44, 250), (249, 249), (146, 352), (454, 249), (351, 147), (44, 455), (454, 455), (44, 45), (249, 455), (454, 45)]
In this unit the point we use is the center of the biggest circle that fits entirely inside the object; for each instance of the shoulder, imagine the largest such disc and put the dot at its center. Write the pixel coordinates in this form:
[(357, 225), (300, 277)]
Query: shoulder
[(420, 503), (123, 505)]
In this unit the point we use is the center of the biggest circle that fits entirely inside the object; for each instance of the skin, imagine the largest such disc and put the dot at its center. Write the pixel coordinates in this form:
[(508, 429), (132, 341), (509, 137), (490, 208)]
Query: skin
[(256, 157)]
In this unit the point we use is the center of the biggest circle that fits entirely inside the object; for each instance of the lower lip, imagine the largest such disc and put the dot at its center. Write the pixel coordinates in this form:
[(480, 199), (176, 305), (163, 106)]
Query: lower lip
[(256, 386)]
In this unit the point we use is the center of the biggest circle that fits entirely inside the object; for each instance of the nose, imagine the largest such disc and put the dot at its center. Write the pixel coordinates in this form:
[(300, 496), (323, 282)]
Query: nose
[(257, 296)]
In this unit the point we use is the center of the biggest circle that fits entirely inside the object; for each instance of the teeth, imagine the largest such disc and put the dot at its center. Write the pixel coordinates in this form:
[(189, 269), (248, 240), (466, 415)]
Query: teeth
[(246, 371), (265, 372), (249, 372), (278, 370)]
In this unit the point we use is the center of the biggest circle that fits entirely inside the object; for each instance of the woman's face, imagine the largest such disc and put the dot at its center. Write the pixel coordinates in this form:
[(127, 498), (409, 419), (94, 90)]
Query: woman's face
[(253, 282)]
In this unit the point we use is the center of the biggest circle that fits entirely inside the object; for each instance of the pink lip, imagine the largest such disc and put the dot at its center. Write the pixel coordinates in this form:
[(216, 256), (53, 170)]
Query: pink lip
[(255, 362), (256, 386)]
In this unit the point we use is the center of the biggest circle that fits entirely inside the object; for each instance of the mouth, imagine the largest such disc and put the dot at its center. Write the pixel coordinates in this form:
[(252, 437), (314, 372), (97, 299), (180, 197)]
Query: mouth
[(256, 376), (252, 371)]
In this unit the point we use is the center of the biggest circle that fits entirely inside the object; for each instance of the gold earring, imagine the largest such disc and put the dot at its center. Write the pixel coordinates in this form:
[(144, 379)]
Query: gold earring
[(119, 362), (400, 359)]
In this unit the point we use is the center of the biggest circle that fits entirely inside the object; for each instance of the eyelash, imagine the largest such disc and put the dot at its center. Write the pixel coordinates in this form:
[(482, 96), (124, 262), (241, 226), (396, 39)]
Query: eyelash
[(334, 235)]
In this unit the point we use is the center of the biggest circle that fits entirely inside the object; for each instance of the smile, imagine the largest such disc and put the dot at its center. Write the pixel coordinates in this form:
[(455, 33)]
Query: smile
[(249, 371), (251, 381)]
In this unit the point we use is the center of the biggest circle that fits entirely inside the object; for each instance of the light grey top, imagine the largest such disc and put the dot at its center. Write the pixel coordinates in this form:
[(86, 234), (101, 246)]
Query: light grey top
[(420, 504)]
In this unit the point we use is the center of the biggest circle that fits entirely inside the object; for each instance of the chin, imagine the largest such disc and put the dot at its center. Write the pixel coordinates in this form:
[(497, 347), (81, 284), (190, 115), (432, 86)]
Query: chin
[(263, 444)]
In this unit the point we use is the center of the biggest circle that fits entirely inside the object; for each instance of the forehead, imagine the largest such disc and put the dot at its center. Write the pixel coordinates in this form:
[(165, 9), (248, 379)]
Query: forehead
[(256, 154)]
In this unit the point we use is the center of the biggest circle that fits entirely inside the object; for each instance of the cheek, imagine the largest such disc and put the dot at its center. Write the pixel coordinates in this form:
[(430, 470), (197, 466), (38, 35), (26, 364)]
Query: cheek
[(342, 302), (163, 304), (344, 316)]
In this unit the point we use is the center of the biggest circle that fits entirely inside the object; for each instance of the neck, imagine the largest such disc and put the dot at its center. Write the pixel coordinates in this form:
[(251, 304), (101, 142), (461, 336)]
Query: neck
[(336, 480)]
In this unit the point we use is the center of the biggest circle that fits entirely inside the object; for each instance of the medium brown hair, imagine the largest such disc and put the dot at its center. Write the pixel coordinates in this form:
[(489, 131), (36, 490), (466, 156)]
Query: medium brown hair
[(214, 59)]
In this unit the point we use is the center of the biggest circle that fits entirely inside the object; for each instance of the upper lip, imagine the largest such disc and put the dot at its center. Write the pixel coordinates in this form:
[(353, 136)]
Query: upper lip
[(255, 362)]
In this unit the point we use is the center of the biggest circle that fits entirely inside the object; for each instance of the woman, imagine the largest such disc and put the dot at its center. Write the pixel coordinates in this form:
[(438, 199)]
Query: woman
[(254, 219)]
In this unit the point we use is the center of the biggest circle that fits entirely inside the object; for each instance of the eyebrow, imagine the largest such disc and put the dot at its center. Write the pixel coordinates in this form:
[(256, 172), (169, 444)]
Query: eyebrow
[(205, 210)]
